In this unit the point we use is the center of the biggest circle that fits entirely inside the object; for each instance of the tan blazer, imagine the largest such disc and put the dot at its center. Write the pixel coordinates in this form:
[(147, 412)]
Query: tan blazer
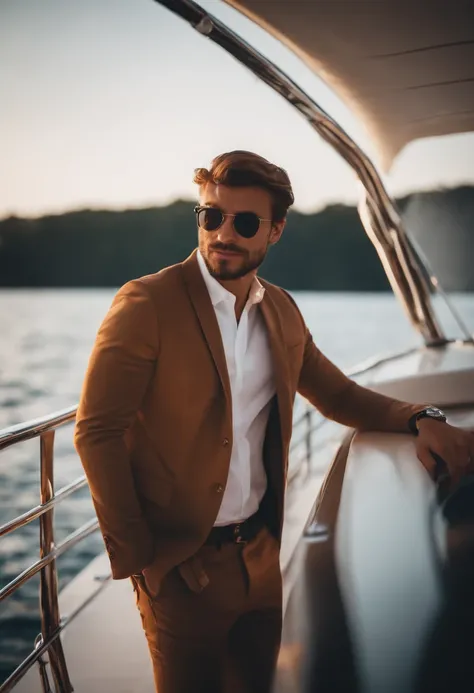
[(154, 425)]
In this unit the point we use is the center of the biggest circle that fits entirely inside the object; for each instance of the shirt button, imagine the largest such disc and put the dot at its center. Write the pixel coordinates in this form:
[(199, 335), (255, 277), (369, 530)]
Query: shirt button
[(218, 488), (225, 442)]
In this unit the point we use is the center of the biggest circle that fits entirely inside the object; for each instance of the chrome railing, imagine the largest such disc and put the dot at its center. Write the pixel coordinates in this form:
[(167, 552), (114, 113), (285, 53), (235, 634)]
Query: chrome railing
[(48, 640)]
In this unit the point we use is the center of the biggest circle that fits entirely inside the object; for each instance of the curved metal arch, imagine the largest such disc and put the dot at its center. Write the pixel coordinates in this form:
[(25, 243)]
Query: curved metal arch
[(404, 268)]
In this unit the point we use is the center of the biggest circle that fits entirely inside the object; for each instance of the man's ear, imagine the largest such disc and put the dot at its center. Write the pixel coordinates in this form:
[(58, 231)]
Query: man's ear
[(276, 231)]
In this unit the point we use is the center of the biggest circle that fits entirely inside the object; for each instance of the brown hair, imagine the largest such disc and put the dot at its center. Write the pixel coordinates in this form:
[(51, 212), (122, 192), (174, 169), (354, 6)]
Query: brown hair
[(241, 169)]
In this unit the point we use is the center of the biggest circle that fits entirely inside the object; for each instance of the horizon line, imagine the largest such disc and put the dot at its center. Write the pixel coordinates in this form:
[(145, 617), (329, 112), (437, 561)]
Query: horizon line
[(177, 200)]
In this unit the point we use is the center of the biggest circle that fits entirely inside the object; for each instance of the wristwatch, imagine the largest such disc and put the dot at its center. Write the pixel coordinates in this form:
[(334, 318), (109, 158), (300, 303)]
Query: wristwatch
[(428, 413)]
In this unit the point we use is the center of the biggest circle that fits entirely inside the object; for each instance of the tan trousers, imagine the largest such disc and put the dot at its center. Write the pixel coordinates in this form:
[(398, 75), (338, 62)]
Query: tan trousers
[(215, 625)]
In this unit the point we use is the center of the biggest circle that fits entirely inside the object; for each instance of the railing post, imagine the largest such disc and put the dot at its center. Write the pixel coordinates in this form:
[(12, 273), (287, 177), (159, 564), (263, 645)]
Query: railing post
[(42, 664), (49, 604)]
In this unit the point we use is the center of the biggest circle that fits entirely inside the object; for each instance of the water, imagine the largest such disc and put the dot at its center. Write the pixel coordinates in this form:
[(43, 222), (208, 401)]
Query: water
[(44, 347)]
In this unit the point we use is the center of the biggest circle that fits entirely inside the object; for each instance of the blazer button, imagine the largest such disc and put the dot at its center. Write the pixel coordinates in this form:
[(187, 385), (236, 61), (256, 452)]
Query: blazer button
[(225, 442), (218, 488)]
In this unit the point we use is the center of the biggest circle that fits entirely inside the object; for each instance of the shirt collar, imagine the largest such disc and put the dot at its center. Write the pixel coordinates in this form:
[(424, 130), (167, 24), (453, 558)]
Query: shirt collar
[(219, 294)]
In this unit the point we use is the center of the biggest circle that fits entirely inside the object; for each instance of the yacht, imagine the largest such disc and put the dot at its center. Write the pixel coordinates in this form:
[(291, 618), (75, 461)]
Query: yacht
[(372, 546)]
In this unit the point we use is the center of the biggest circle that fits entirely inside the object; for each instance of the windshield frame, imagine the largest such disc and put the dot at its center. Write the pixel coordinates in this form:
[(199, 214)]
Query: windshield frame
[(405, 270)]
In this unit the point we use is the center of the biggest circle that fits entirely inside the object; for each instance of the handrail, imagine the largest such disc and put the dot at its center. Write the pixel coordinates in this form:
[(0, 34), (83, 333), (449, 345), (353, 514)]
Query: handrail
[(45, 429), (39, 510), (71, 540), (35, 427)]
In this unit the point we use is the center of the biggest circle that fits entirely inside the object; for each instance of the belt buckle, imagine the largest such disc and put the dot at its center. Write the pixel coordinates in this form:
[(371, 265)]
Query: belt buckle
[(238, 539)]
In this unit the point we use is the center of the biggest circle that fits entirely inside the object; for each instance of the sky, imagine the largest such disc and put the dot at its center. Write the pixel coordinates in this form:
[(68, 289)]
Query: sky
[(113, 103)]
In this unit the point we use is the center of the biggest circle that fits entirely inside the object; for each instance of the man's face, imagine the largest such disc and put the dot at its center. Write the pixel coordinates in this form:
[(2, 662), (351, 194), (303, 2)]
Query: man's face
[(227, 254)]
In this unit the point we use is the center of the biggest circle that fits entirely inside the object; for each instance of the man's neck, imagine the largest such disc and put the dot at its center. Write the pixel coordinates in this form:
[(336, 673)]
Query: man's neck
[(240, 288)]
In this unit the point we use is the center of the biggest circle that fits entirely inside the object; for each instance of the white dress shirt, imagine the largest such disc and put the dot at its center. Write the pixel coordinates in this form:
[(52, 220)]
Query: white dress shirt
[(252, 383)]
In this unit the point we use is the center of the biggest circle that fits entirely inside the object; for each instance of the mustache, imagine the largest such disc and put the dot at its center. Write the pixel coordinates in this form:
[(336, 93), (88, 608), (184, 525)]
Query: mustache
[(229, 247)]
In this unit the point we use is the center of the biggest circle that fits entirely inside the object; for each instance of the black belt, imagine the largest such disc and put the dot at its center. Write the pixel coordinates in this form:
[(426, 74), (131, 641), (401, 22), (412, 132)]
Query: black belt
[(239, 533)]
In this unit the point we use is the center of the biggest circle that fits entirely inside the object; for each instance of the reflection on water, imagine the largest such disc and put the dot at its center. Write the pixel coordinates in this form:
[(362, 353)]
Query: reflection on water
[(45, 344)]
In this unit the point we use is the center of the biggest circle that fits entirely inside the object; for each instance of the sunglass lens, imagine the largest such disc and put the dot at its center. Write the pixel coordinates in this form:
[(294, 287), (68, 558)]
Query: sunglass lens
[(209, 218), (246, 224)]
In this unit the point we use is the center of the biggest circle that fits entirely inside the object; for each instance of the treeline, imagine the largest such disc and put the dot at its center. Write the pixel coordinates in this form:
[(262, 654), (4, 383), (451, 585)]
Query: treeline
[(326, 251)]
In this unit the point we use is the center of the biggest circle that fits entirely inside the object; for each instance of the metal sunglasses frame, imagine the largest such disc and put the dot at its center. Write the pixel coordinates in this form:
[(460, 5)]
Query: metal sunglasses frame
[(200, 208)]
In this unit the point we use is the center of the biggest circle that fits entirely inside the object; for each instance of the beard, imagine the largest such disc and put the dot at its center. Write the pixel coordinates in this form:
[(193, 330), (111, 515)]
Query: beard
[(223, 270)]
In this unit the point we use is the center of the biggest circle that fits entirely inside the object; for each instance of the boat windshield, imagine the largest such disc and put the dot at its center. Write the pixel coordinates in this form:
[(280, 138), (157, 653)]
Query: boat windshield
[(438, 214)]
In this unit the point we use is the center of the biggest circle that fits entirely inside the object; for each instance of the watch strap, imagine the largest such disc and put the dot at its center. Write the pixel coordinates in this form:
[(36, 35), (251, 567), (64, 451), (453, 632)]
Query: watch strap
[(412, 423), (428, 413)]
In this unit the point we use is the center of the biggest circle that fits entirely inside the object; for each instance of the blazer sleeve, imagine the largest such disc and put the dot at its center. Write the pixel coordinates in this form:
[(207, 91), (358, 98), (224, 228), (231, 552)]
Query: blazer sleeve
[(341, 399), (119, 371)]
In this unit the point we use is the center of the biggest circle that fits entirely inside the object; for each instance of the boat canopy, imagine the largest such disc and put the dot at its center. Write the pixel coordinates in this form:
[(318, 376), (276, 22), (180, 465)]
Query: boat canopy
[(406, 69)]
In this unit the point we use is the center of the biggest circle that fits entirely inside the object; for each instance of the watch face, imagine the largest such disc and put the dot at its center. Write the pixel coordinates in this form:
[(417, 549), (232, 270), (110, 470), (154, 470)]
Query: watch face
[(435, 413)]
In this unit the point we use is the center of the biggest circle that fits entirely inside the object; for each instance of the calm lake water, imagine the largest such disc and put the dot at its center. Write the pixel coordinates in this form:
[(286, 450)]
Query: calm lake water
[(45, 341)]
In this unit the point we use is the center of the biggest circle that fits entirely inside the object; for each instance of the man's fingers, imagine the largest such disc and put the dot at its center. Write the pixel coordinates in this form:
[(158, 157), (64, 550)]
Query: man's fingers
[(427, 460), (446, 449), (458, 460), (462, 457)]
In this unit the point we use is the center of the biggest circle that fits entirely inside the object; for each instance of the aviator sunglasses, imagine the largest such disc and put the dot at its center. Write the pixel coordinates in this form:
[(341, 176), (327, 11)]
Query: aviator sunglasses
[(246, 224)]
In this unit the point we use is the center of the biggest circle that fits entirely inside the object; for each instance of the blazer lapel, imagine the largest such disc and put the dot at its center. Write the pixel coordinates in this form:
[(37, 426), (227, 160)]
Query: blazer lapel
[(201, 301), (280, 364)]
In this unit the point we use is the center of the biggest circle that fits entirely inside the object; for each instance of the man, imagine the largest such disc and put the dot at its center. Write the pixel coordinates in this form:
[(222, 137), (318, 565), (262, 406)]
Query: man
[(184, 427)]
